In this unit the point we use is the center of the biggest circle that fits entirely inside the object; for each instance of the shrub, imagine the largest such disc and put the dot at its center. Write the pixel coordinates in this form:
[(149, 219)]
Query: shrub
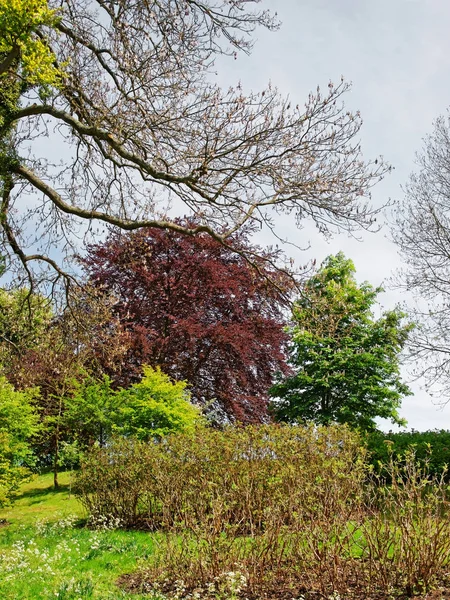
[(407, 536), (259, 511), (220, 478), (113, 481), (248, 501), (18, 424), (155, 406)]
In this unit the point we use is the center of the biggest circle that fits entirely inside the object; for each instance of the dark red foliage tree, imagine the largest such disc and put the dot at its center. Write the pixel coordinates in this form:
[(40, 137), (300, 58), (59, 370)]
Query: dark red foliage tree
[(200, 312)]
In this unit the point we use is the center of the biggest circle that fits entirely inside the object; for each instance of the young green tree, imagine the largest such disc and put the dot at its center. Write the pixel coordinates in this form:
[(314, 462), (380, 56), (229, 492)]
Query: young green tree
[(19, 422), (89, 411), (154, 407), (346, 362)]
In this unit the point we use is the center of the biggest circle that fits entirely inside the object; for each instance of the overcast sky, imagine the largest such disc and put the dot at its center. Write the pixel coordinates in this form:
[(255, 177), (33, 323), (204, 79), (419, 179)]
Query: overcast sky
[(396, 54)]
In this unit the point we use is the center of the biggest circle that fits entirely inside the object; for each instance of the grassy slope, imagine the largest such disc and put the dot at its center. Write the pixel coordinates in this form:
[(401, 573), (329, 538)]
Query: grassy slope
[(38, 500), (46, 553)]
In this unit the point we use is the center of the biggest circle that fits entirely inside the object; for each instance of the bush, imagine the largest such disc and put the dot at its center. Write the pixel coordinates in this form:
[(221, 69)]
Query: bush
[(273, 510), (407, 534), (18, 424), (231, 477), (155, 407), (254, 496)]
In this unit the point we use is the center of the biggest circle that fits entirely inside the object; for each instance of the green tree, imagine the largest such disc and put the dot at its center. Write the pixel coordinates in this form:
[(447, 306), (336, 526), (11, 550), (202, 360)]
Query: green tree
[(57, 352), (19, 422), (155, 406), (345, 361), (89, 411)]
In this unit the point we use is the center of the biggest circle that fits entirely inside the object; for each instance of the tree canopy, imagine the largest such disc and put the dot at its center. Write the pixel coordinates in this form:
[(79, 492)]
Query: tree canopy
[(152, 407), (131, 108), (23, 50), (155, 407), (422, 231), (197, 310), (346, 362)]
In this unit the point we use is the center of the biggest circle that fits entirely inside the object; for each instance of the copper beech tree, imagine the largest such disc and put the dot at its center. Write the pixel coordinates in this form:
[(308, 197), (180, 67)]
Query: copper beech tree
[(200, 312), (128, 127)]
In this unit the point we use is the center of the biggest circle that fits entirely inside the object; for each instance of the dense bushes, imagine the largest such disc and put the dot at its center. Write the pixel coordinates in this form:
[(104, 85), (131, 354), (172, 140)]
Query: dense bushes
[(431, 447), (231, 477), (258, 511)]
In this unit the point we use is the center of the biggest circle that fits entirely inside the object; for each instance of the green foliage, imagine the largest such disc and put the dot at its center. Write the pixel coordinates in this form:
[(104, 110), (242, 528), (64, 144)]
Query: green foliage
[(24, 318), (26, 61), (89, 410), (18, 424), (20, 21), (431, 448), (346, 362), (155, 407)]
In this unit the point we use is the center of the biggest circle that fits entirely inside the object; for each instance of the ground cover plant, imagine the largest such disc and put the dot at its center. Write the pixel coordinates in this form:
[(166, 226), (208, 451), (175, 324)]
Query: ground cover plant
[(46, 554)]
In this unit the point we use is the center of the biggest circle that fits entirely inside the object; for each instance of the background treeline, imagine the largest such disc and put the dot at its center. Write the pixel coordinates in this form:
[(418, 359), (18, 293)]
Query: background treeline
[(430, 447)]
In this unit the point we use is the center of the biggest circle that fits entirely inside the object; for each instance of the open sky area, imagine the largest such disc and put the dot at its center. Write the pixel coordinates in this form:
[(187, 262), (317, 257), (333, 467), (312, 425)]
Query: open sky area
[(396, 56)]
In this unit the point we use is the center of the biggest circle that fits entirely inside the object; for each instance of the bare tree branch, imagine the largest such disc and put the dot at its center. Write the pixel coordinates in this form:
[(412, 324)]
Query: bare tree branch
[(142, 135), (422, 231)]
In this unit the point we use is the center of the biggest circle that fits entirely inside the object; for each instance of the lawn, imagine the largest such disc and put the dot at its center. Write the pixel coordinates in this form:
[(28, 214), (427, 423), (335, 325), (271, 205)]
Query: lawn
[(46, 551)]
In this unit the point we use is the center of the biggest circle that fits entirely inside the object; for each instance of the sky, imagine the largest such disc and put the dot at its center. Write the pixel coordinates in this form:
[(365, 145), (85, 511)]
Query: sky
[(396, 54)]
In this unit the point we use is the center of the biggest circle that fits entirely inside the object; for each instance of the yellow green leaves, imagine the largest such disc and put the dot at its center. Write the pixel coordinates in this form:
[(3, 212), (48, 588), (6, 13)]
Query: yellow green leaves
[(23, 44), (156, 407)]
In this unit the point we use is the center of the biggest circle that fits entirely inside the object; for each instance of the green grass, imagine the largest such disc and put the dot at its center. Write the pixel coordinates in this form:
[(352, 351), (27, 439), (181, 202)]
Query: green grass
[(46, 552), (38, 500)]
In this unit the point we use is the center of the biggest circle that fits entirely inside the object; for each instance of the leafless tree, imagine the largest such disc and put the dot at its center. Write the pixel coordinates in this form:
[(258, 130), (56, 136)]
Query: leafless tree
[(138, 133), (422, 230)]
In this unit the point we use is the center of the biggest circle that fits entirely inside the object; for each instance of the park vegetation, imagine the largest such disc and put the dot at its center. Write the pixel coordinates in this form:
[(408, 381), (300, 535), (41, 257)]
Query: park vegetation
[(216, 406), (321, 505)]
